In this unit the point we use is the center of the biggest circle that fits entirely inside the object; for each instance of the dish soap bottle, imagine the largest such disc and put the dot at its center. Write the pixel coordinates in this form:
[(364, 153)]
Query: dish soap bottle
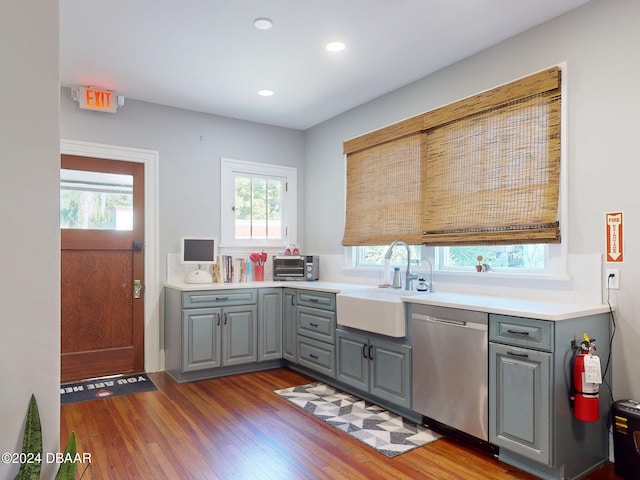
[(396, 278)]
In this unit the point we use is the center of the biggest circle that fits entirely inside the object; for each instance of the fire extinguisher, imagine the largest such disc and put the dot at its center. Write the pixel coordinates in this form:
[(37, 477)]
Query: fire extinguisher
[(585, 394)]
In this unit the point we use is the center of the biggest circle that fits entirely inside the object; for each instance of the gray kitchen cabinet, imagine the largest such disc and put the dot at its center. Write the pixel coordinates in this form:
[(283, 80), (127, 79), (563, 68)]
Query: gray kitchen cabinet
[(201, 342), (376, 366), (269, 324), (289, 329), (520, 403), (529, 406), (209, 331), (215, 337), (239, 335), (315, 327)]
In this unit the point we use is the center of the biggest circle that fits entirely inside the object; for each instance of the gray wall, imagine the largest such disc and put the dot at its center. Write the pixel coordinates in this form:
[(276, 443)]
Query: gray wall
[(190, 145), (600, 44), (29, 242)]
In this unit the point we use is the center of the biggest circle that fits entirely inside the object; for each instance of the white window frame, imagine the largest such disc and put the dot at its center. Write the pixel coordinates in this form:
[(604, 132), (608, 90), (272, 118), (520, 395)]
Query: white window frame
[(228, 169)]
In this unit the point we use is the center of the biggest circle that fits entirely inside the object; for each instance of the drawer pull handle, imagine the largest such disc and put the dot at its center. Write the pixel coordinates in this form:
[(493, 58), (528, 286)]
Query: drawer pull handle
[(314, 325), (514, 354), (518, 332), (315, 357), (314, 300), (221, 298)]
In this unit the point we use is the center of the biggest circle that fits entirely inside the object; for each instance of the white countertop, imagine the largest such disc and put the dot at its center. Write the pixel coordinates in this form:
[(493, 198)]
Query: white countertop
[(331, 287), (509, 306), (483, 303)]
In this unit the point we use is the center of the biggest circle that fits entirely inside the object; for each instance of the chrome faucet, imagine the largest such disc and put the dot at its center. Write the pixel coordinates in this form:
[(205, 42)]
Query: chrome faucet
[(410, 277), (430, 286)]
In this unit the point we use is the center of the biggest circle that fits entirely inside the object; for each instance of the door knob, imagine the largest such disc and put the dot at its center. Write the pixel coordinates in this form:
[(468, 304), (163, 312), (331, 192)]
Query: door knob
[(137, 288)]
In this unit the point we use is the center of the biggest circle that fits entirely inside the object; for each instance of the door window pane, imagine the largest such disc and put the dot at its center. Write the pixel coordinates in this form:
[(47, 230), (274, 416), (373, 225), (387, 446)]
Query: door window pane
[(96, 200)]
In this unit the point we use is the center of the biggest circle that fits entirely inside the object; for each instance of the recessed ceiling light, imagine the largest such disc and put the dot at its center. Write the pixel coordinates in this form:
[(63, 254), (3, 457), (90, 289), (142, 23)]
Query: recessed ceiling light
[(265, 93), (263, 23), (335, 46)]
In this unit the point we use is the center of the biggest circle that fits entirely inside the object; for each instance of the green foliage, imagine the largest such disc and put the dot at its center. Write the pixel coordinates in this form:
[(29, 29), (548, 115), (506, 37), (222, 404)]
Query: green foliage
[(32, 449), (373, 256), (83, 209), (31, 444), (67, 470), (257, 198), (498, 256)]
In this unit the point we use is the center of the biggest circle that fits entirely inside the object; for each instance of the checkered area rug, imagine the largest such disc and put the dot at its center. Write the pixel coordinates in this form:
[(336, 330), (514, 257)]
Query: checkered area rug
[(384, 431)]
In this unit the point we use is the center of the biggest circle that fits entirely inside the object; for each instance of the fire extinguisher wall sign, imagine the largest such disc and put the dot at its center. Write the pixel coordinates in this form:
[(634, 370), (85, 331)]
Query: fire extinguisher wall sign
[(587, 377)]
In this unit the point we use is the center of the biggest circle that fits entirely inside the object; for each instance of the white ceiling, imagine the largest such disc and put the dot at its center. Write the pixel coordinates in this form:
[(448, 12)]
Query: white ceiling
[(205, 55)]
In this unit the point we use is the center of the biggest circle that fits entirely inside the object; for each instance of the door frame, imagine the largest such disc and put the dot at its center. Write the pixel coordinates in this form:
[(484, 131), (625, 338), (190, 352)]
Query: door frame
[(153, 361)]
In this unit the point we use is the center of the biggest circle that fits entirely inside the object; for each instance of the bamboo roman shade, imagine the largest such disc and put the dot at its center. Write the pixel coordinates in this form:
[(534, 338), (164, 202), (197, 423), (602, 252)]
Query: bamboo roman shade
[(483, 170), (384, 194), (493, 176)]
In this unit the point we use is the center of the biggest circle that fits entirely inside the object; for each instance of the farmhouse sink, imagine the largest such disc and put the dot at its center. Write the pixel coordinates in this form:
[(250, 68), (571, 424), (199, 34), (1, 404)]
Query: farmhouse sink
[(376, 310)]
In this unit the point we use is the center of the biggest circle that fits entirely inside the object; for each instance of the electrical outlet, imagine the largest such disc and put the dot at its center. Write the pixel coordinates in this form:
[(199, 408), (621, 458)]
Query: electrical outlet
[(612, 278)]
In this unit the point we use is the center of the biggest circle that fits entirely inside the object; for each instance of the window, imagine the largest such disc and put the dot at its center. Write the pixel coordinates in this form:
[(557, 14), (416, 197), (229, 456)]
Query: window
[(96, 200), (258, 204), (486, 170), (373, 256), (498, 257)]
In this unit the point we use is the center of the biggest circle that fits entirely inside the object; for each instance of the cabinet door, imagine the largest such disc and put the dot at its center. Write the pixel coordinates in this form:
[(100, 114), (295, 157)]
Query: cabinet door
[(289, 335), (239, 335), (353, 359), (201, 339), (269, 324), (391, 372), (520, 401)]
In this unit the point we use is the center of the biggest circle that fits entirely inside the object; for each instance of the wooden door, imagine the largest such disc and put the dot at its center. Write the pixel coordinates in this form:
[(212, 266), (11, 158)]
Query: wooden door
[(102, 270)]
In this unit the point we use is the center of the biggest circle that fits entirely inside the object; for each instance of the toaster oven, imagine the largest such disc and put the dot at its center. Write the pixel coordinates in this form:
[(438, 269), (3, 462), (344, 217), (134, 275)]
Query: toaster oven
[(296, 267)]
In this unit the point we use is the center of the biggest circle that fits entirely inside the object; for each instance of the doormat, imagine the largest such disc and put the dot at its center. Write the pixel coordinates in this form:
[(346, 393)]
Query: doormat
[(105, 387), (388, 433)]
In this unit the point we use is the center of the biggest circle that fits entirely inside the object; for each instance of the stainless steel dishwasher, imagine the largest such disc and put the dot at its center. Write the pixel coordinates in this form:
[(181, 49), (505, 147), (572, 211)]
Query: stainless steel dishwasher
[(450, 367)]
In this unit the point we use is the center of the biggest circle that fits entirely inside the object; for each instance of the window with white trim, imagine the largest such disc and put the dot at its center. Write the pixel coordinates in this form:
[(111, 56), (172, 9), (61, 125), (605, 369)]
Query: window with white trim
[(258, 204)]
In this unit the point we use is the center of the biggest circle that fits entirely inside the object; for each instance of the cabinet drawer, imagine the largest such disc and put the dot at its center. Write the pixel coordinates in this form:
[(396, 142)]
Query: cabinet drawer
[(524, 332), (218, 298), (318, 324), (314, 299), (317, 356)]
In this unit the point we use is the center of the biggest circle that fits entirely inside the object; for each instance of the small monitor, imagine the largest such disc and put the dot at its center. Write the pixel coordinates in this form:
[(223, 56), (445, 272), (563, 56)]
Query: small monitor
[(200, 251)]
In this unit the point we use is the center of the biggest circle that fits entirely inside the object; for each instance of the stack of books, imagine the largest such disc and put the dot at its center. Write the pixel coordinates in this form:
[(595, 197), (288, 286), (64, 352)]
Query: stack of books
[(230, 269)]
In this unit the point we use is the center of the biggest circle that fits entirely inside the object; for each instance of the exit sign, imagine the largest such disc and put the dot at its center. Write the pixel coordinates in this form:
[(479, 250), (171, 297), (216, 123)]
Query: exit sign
[(91, 98)]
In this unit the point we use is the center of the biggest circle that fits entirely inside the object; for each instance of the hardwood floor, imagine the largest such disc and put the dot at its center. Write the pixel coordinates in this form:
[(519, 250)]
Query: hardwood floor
[(237, 428)]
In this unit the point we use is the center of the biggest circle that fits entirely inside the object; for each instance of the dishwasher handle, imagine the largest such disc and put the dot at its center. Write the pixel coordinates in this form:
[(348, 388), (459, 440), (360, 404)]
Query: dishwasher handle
[(450, 322)]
